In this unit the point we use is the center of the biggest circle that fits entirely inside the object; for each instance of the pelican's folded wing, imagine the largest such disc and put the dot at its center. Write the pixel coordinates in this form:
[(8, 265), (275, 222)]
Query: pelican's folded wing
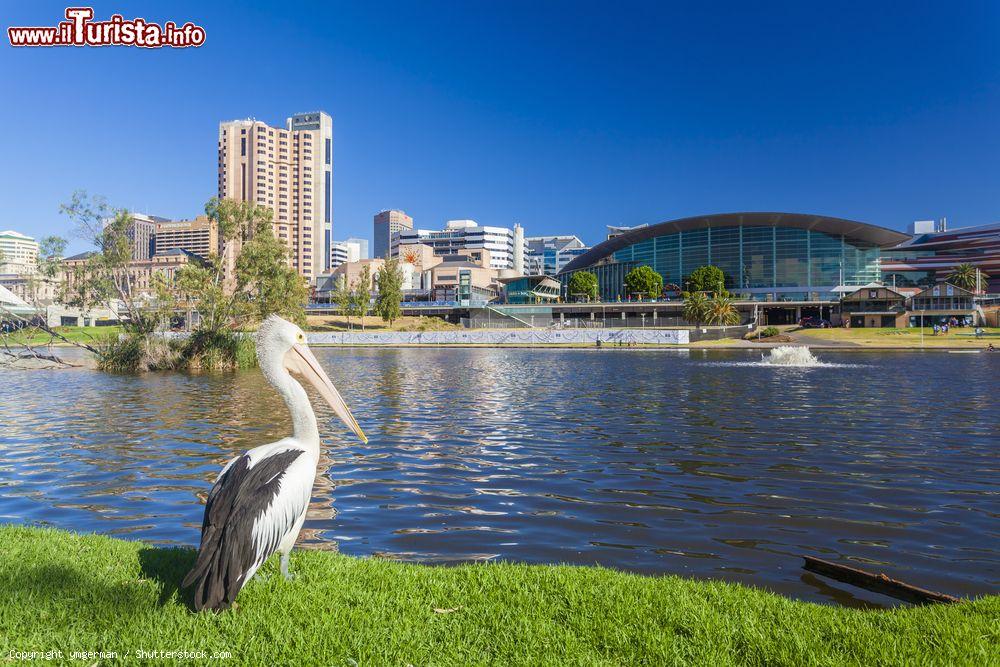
[(249, 511)]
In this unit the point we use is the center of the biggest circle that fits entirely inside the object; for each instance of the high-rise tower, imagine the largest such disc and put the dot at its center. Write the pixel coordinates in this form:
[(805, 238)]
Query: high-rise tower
[(386, 224), (290, 171)]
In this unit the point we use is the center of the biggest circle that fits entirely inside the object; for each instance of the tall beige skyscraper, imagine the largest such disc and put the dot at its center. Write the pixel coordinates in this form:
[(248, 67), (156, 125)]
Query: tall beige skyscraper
[(387, 223), (290, 171)]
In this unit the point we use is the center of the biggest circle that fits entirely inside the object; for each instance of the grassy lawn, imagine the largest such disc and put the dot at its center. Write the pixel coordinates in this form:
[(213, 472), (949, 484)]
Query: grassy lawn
[(373, 323), (69, 592), (77, 334), (959, 337)]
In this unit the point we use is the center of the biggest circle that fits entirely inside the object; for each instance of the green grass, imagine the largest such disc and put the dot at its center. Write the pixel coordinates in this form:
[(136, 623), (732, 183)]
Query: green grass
[(909, 337), (374, 323), (68, 592), (34, 336)]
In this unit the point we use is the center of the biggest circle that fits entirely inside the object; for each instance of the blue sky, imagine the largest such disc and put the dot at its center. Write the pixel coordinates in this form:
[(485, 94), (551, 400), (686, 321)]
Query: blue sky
[(564, 117)]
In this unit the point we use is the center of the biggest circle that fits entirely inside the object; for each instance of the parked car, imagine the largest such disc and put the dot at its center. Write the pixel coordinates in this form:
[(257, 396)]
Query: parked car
[(814, 323)]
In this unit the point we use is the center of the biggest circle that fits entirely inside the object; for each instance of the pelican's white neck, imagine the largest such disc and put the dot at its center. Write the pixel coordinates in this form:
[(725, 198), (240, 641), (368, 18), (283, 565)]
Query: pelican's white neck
[(304, 426)]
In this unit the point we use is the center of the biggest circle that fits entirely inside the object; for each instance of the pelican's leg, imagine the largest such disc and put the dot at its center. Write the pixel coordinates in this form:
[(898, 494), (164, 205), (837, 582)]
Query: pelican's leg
[(284, 566)]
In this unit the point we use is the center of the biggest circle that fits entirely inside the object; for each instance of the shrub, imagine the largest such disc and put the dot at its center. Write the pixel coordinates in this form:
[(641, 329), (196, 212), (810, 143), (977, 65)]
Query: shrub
[(218, 350), (769, 331), (137, 353)]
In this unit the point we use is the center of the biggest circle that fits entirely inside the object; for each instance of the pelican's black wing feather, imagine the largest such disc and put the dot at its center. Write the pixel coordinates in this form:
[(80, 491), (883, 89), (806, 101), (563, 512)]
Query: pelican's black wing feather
[(230, 550)]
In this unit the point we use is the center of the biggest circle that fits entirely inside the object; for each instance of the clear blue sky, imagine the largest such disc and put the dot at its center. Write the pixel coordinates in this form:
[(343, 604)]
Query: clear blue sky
[(564, 117)]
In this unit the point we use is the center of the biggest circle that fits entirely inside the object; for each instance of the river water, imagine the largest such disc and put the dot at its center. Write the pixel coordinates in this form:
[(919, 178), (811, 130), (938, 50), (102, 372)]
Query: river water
[(706, 464)]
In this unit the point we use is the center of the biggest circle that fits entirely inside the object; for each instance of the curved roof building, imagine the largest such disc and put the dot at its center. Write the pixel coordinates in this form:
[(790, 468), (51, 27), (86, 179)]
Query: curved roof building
[(765, 256)]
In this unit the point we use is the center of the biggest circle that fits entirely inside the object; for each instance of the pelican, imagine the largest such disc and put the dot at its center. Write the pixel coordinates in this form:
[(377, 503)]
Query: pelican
[(258, 503)]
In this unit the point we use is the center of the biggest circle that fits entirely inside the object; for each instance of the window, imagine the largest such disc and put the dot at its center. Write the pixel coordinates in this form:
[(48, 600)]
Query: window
[(243, 146)]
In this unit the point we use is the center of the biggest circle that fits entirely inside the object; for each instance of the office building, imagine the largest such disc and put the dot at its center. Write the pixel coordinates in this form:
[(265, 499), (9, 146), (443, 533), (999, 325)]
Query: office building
[(199, 236), (344, 251), (289, 171), (362, 246), (140, 233), (387, 224), (459, 236), (548, 255), (18, 253)]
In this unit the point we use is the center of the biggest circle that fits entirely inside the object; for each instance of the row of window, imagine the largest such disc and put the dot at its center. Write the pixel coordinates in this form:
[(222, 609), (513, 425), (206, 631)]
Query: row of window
[(758, 257)]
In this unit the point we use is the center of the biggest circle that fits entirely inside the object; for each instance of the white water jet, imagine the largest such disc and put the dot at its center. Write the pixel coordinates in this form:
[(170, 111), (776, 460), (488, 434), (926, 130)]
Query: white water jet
[(786, 355)]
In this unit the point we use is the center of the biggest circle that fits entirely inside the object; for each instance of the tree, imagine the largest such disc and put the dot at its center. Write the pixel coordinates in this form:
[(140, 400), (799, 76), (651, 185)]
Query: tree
[(583, 283), (644, 280), (106, 277), (390, 291), (722, 311), (696, 308), (967, 277), (41, 284), (250, 279), (707, 279), (266, 284), (362, 295), (344, 299)]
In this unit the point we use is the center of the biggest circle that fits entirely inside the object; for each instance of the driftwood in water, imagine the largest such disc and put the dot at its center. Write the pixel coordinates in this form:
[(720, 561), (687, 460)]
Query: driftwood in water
[(879, 583)]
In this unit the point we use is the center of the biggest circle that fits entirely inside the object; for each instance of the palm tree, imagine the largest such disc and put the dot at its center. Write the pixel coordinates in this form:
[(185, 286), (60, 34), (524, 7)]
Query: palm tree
[(696, 308), (964, 276), (722, 312)]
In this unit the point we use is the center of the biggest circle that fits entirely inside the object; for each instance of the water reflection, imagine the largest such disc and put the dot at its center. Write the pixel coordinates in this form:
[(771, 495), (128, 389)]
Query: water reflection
[(706, 465)]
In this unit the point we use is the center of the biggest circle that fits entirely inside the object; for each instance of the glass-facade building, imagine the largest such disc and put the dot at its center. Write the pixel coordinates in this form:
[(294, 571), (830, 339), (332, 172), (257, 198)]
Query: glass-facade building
[(780, 257)]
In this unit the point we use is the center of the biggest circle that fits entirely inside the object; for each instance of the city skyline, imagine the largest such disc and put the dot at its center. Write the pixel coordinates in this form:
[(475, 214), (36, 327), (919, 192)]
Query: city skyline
[(892, 125)]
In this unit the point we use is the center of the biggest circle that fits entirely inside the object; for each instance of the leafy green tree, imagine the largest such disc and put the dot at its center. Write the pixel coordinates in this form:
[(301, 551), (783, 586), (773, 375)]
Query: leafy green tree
[(583, 283), (722, 311), (707, 279), (643, 280), (696, 308), (250, 279), (266, 284), (390, 291), (965, 276), (344, 299), (361, 293), (105, 279)]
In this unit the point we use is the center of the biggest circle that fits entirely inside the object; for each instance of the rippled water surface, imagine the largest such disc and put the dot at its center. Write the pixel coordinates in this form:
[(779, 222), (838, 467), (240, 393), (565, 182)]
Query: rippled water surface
[(704, 464)]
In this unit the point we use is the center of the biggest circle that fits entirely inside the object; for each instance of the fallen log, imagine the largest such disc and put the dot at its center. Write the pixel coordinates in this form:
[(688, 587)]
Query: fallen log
[(878, 583)]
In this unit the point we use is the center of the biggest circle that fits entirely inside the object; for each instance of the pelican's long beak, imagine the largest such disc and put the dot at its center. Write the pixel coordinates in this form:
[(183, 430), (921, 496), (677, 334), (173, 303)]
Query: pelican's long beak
[(301, 360)]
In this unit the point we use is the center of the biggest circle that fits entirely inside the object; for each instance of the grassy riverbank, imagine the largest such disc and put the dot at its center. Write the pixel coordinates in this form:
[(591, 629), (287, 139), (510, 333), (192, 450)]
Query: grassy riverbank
[(372, 323), (88, 335), (900, 338), (68, 592)]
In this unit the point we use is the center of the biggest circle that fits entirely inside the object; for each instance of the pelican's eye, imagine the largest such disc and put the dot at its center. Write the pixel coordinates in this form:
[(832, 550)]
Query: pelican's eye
[(301, 337)]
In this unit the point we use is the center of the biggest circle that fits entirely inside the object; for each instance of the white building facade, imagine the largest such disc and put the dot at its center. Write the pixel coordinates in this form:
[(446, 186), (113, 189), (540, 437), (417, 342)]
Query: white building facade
[(362, 246), (342, 252), (18, 253), (461, 235)]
